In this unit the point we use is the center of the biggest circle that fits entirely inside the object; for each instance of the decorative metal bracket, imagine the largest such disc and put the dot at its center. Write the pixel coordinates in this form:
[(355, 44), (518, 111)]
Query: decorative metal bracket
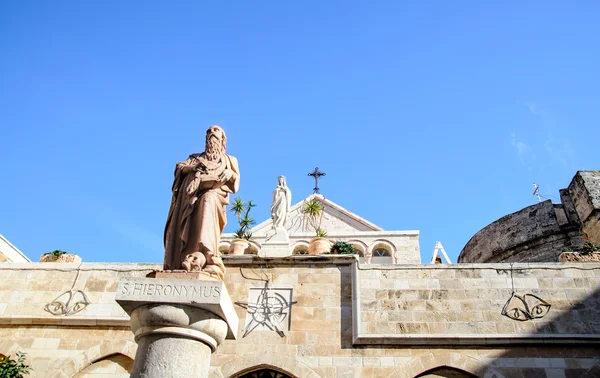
[(269, 311)]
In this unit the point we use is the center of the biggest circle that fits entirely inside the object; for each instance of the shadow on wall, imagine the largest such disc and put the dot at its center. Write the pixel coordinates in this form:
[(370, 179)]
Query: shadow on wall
[(544, 359), (580, 319)]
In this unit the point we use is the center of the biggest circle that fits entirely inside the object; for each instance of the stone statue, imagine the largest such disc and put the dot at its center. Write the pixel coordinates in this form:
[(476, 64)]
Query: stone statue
[(197, 215), (282, 201)]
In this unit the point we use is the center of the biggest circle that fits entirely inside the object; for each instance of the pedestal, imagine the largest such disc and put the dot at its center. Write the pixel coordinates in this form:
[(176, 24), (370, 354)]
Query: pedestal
[(177, 324), (277, 244)]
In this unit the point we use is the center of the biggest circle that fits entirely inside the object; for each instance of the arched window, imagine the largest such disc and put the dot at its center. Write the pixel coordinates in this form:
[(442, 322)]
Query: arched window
[(382, 252), (301, 248), (224, 248), (251, 250)]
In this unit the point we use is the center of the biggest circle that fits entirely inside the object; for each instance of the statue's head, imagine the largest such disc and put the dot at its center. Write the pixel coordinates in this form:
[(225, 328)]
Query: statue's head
[(216, 141), (281, 180)]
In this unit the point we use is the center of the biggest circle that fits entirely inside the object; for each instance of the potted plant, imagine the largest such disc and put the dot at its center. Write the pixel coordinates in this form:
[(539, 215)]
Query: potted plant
[(589, 251), (14, 368), (59, 256), (313, 216), (342, 248), (241, 210)]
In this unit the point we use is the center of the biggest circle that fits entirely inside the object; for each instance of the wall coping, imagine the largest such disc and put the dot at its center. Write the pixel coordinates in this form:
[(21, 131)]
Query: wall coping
[(333, 260)]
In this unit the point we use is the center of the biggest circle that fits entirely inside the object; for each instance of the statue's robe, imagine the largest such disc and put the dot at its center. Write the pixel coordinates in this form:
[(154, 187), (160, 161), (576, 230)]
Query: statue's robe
[(196, 220), (282, 198)]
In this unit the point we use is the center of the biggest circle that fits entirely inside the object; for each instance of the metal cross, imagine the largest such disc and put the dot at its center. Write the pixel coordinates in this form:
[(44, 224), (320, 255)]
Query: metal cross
[(316, 174)]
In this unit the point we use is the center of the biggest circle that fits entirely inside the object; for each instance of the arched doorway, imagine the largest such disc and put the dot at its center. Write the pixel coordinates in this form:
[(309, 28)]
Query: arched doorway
[(445, 372)]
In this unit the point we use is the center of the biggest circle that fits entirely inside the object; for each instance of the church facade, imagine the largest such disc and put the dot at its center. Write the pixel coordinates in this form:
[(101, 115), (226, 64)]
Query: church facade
[(369, 240), (327, 315)]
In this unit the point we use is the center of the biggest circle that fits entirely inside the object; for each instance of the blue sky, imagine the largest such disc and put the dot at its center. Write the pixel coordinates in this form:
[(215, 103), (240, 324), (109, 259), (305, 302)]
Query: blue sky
[(434, 116)]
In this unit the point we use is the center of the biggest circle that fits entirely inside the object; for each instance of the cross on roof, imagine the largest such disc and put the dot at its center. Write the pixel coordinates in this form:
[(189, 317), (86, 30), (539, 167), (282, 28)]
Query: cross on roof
[(316, 174)]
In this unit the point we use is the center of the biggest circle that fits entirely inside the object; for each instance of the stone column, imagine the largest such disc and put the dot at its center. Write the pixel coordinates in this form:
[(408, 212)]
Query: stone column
[(177, 324)]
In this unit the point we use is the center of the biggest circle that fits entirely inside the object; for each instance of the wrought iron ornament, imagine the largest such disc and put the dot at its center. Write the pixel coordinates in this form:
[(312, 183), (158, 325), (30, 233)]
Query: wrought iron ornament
[(68, 303), (524, 307), (270, 310), (316, 174)]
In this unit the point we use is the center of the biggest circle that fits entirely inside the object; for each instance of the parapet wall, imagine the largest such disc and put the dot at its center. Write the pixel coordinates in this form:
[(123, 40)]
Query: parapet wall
[(538, 233), (344, 319)]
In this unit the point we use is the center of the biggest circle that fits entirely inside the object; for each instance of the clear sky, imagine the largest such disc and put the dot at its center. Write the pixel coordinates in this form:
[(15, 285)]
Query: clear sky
[(431, 116)]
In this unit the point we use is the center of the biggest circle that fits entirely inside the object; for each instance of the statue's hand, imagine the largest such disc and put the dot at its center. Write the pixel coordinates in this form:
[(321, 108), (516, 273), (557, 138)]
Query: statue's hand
[(185, 168), (227, 175)]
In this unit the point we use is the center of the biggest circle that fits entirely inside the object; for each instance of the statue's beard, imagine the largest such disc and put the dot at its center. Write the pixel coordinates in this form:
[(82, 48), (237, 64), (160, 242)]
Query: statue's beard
[(214, 148)]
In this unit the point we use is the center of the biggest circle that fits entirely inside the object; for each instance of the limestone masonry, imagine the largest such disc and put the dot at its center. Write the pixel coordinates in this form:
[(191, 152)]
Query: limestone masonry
[(507, 309)]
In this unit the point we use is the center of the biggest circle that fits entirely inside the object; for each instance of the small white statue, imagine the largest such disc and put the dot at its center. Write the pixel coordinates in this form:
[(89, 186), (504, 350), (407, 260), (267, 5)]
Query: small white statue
[(282, 201)]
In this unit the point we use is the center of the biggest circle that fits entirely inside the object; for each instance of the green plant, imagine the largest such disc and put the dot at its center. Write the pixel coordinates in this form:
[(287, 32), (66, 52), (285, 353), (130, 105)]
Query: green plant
[(10, 368), (321, 233), (241, 210), (56, 253), (588, 247), (313, 215), (343, 248)]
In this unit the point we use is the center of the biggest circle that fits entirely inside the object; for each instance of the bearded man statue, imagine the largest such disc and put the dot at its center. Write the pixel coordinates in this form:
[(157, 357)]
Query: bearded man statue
[(197, 215)]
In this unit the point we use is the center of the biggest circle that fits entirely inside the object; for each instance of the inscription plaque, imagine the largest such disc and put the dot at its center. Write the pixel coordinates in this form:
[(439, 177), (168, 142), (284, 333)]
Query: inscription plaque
[(207, 295)]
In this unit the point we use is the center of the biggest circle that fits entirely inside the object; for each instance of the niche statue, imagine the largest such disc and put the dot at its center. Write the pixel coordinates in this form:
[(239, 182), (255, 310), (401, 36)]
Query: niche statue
[(197, 215)]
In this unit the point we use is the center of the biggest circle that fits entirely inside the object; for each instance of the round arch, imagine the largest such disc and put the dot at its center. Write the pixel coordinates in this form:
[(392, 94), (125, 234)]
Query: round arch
[(445, 359), (248, 362), (383, 244), (300, 245), (253, 248), (9, 348), (74, 365), (359, 246), (224, 247)]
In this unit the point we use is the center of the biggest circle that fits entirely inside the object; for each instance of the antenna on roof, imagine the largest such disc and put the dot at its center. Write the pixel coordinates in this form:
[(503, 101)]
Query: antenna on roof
[(435, 259), (536, 192)]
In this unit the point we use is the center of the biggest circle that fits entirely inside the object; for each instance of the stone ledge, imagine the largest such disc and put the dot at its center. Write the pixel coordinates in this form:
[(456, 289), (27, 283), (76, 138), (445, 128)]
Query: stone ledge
[(80, 321), (473, 339), (289, 260), (492, 266), (118, 267)]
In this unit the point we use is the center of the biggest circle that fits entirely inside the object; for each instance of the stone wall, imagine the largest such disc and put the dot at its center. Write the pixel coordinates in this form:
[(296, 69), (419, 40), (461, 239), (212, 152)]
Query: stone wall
[(347, 320), (585, 193), (538, 233)]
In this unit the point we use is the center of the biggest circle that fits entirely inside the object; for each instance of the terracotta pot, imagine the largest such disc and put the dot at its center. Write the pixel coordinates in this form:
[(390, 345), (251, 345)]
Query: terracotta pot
[(238, 246), (66, 258), (318, 246)]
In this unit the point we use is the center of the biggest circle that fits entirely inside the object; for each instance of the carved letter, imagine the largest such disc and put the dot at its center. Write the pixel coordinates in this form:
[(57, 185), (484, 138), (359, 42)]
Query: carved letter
[(177, 290), (170, 290), (216, 291), (125, 288)]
